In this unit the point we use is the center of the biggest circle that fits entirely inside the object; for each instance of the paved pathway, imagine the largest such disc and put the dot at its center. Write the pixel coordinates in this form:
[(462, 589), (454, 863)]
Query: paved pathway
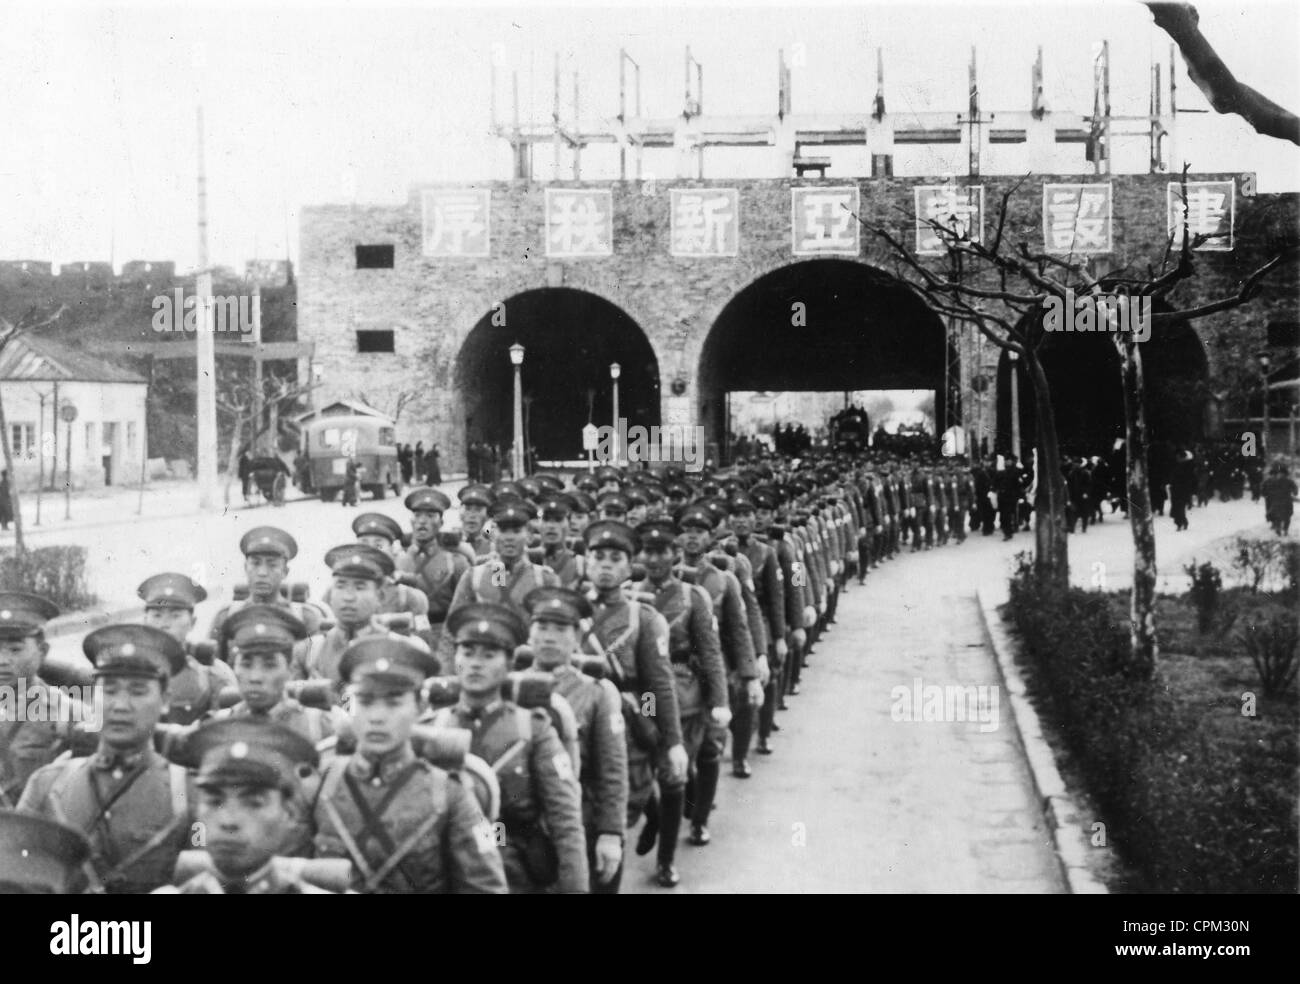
[(854, 800)]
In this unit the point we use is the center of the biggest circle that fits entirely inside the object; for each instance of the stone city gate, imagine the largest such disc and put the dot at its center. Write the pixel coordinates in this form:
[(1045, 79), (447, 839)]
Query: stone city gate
[(700, 287)]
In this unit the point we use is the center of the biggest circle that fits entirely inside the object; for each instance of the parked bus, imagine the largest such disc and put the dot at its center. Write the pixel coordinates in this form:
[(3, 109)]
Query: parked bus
[(329, 442)]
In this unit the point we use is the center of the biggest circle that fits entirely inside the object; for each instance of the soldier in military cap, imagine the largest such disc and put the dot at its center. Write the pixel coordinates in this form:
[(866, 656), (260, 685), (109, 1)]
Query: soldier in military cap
[(32, 739), (638, 505), (581, 508), (556, 617), (169, 601), (401, 593), (610, 479), (427, 563), (261, 640), (541, 807), (267, 552), (249, 802), (40, 857), (745, 663), (507, 575), (769, 591), (555, 551), (613, 505), (703, 701), (126, 798), (475, 501), (408, 826), (357, 574), (587, 483), (632, 637)]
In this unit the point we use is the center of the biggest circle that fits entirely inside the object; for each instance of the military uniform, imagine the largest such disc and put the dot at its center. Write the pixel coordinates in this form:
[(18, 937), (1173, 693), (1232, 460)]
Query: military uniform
[(132, 805), (634, 637), (41, 733), (598, 713), (246, 753), (541, 805), (408, 826), (701, 681), (264, 540), (495, 583), (193, 691)]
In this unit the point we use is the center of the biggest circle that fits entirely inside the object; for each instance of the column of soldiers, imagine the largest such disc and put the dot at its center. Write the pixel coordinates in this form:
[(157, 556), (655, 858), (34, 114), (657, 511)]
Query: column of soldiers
[(486, 710)]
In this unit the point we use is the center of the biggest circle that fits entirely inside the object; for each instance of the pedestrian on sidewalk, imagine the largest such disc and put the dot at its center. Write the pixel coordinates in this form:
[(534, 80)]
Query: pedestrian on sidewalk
[(1279, 492)]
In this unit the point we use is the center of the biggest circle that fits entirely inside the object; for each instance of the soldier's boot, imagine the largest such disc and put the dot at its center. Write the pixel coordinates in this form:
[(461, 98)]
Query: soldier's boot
[(672, 805), (793, 668), (706, 788), (742, 734), (650, 832), (767, 718)]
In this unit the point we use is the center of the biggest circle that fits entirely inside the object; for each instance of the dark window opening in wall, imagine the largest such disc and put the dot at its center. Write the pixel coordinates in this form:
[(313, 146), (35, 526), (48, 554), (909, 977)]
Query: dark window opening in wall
[(375, 341), (375, 257)]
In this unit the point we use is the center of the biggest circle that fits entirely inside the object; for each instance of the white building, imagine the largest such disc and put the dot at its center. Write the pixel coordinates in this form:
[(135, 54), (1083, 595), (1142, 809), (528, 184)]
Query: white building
[(40, 380)]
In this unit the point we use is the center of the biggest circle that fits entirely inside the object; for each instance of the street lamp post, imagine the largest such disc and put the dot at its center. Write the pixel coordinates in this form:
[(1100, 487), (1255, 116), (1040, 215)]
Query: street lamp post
[(1263, 374), (1014, 357), (517, 360), (615, 370)]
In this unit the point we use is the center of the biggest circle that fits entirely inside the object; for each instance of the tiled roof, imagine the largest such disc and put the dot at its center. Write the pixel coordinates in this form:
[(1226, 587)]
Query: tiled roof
[(30, 357)]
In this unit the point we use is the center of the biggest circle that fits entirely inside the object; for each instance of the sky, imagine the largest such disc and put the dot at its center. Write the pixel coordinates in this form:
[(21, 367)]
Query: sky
[(309, 104)]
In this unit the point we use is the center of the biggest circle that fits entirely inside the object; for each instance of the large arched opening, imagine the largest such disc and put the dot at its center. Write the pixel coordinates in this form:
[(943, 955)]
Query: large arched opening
[(823, 325), (570, 339), (1083, 370)]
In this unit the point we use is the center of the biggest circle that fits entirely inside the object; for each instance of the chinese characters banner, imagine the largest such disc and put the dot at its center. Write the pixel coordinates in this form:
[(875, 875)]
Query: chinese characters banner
[(579, 222), (1077, 218), (1210, 211), (456, 222), (824, 221), (958, 209), (705, 221)]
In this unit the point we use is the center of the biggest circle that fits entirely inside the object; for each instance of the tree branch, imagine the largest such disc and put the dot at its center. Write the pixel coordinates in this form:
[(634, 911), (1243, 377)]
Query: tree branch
[(1225, 94)]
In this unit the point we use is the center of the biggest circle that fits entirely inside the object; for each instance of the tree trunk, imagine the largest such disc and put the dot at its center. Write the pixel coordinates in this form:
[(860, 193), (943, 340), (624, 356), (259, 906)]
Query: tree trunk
[(20, 546), (232, 463), (1144, 647), (1051, 554)]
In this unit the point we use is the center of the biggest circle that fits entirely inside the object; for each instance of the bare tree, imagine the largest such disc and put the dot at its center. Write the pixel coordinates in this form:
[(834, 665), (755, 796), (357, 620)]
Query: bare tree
[(1205, 68), (9, 330), (1026, 283), (235, 401), (400, 401)]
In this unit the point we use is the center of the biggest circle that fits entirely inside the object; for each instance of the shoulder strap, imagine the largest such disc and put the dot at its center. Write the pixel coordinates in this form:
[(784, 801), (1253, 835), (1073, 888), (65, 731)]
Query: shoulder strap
[(523, 734), (330, 784)]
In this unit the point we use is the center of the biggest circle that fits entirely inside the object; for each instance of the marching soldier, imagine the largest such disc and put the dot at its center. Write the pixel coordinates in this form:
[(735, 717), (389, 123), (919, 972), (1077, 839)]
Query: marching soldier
[(703, 702), (475, 501), (632, 638), (358, 572), (261, 639), (736, 640), (769, 591), (436, 569), (507, 576), (249, 801), (40, 857), (541, 803), (267, 552), (35, 738), (408, 826), (402, 594), (556, 616), (130, 802), (555, 552), (580, 511), (169, 601)]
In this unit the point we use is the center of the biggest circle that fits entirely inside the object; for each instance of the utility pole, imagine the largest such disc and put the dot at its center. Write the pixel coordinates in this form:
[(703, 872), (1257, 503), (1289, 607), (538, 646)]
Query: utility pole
[(206, 360)]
